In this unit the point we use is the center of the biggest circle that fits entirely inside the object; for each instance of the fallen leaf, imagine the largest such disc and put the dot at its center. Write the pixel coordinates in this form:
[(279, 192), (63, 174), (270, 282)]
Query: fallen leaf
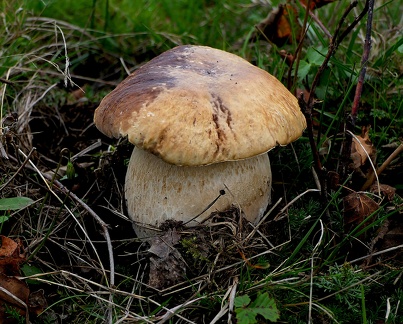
[(362, 148), (387, 191), (14, 293), (278, 25), (8, 247), (390, 235), (37, 302), (12, 254), (281, 24), (357, 207)]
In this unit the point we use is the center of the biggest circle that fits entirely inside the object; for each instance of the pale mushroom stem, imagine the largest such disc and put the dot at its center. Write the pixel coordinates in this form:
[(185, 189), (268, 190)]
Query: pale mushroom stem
[(157, 191)]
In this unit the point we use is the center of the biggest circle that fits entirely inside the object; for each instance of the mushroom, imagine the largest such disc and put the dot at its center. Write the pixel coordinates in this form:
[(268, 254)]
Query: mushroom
[(202, 121)]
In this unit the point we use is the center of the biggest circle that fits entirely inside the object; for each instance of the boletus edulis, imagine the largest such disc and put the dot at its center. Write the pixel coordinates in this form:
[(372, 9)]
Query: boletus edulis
[(202, 121)]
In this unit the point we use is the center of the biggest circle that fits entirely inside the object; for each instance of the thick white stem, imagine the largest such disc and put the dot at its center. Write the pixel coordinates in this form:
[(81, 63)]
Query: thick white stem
[(157, 191)]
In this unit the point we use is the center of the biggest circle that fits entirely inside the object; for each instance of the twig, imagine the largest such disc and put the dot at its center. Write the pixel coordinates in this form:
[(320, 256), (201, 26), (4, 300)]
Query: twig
[(364, 62), (397, 247), (333, 46), (351, 120), (173, 311), (317, 20), (297, 55), (306, 109), (2, 80), (277, 218), (261, 221), (3, 94), (104, 227), (391, 157)]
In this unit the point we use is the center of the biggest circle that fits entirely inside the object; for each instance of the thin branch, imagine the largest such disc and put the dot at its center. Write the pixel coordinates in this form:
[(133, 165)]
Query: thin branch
[(351, 120), (364, 62), (384, 165), (333, 46)]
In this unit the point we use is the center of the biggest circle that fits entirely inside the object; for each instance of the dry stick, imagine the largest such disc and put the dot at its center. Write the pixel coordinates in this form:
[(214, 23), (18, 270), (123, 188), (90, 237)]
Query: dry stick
[(391, 157), (317, 20), (297, 55), (350, 122)]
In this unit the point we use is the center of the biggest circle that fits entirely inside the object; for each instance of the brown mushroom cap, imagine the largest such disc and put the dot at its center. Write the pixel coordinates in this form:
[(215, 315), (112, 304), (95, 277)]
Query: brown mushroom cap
[(195, 105)]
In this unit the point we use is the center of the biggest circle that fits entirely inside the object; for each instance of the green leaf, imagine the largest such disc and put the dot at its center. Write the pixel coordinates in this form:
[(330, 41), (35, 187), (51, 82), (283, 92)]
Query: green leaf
[(15, 203), (315, 56), (263, 305), (242, 301), (3, 219), (266, 306), (29, 270), (245, 316), (70, 171), (303, 69)]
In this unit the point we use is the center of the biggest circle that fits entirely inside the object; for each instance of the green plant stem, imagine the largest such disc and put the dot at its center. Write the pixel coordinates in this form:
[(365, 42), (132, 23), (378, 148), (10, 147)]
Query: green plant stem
[(363, 309)]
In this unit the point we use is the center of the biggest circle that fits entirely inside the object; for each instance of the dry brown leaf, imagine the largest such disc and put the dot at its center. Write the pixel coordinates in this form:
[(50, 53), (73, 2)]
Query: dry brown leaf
[(389, 236), (8, 247), (37, 302), (361, 148), (11, 256), (16, 288), (357, 207), (387, 191), (277, 26), (281, 25), (162, 246)]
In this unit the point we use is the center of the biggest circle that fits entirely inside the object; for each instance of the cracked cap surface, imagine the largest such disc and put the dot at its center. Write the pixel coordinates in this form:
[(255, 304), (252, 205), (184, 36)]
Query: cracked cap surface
[(195, 105)]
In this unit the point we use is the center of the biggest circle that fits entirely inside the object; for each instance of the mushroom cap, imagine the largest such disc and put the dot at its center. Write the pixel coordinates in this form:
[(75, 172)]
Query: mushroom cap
[(195, 105)]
